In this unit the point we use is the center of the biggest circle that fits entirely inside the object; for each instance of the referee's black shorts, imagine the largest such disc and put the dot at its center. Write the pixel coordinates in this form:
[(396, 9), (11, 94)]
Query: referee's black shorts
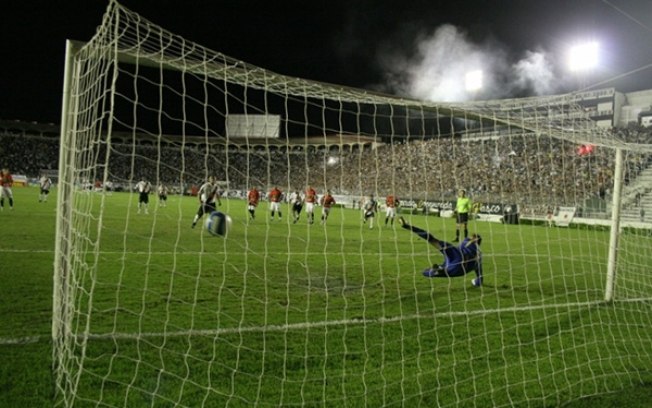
[(462, 218)]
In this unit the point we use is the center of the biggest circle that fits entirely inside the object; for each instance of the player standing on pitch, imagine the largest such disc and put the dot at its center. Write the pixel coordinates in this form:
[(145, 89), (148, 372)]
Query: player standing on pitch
[(462, 209), (275, 197), (6, 182), (162, 195), (458, 260), (391, 202), (44, 183), (143, 187)]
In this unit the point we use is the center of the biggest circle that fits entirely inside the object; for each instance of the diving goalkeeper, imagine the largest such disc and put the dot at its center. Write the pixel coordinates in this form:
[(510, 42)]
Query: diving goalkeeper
[(458, 260)]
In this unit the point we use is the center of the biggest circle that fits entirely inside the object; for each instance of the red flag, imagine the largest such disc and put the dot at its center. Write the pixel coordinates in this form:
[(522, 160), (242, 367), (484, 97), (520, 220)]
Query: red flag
[(585, 149)]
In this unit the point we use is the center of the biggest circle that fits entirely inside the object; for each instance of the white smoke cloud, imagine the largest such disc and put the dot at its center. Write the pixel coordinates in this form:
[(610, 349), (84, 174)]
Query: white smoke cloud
[(437, 68), (535, 72)]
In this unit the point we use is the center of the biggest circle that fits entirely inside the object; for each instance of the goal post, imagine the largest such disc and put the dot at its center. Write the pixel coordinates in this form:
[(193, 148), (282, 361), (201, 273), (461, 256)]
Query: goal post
[(615, 226), (64, 197), (306, 303)]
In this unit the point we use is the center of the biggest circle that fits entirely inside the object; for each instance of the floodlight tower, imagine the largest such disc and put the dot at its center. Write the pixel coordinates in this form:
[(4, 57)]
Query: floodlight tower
[(582, 59), (473, 81)]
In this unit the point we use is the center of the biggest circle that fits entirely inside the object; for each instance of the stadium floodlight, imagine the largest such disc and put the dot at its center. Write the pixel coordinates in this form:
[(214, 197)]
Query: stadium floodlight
[(474, 80), (583, 57)]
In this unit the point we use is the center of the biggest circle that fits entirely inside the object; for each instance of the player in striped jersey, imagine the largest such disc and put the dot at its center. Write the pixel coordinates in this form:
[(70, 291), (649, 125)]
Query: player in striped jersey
[(370, 209), (209, 196), (162, 195), (296, 203), (44, 183), (143, 187)]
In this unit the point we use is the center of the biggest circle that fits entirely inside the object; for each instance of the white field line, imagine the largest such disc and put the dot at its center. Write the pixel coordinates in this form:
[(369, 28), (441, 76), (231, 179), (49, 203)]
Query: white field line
[(320, 324)]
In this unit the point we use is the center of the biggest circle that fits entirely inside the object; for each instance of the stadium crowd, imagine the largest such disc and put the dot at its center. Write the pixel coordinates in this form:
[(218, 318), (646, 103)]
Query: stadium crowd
[(534, 171)]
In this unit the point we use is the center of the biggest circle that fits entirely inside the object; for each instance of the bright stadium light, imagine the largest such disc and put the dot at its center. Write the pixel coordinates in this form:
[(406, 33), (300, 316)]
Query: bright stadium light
[(584, 57), (474, 81)]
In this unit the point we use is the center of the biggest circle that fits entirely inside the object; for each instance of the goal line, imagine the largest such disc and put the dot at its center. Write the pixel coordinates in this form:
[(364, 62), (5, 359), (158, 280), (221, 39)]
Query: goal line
[(356, 322)]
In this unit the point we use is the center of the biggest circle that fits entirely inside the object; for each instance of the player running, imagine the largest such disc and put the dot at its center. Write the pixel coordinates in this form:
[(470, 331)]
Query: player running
[(208, 198), (458, 260), (327, 201), (310, 200), (370, 209), (296, 203), (253, 196)]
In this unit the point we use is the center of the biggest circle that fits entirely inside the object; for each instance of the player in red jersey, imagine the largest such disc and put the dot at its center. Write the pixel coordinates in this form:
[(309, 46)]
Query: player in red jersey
[(310, 200), (252, 199), (275, 196), (6, 182), (391, 202), (327, 201)]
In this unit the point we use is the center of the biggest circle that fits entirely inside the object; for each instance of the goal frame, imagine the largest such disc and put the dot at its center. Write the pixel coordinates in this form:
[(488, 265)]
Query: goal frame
[(519, 118)]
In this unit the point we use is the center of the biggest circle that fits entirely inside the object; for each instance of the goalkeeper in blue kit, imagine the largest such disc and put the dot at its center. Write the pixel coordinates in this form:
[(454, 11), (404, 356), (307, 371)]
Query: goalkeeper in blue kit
[(458, 260)]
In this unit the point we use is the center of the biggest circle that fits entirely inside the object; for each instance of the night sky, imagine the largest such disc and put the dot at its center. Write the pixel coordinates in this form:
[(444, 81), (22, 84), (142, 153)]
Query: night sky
[(403, 48)]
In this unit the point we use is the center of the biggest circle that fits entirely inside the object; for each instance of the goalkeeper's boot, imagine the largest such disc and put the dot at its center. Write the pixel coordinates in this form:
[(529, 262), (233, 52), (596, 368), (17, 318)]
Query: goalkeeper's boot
[(402, 222), (431, 273)]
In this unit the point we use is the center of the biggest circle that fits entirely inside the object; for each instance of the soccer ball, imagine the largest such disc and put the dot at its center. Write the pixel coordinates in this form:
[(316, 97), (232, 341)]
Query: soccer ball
[(218, 224)]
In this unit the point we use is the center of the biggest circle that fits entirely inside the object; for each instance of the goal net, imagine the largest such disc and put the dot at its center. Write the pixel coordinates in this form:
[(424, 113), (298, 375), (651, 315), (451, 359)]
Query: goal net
[(293, 310)]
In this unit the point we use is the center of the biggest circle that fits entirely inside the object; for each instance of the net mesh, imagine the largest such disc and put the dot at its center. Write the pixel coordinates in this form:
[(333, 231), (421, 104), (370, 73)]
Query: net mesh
[(335, 312)]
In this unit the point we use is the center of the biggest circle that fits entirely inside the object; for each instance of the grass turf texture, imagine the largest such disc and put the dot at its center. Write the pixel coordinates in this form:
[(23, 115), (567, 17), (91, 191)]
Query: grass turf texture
[(291, 314)]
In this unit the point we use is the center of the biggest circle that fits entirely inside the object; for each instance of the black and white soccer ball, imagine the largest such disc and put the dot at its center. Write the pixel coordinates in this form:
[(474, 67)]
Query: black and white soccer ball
[(218, 224)]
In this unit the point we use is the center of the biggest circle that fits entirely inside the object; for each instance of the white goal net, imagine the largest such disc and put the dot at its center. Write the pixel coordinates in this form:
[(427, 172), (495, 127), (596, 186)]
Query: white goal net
[(150, 309)]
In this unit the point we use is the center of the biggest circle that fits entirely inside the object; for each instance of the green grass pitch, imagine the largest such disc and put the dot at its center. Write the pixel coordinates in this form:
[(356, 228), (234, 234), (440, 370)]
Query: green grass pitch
[(283, 314)]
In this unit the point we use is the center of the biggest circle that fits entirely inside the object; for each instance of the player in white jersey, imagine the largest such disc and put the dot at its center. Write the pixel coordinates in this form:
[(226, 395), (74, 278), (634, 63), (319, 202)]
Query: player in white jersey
[(370, 208), (44, 183), (143, 187), (296, 203), (208, 197), (162, 195)]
